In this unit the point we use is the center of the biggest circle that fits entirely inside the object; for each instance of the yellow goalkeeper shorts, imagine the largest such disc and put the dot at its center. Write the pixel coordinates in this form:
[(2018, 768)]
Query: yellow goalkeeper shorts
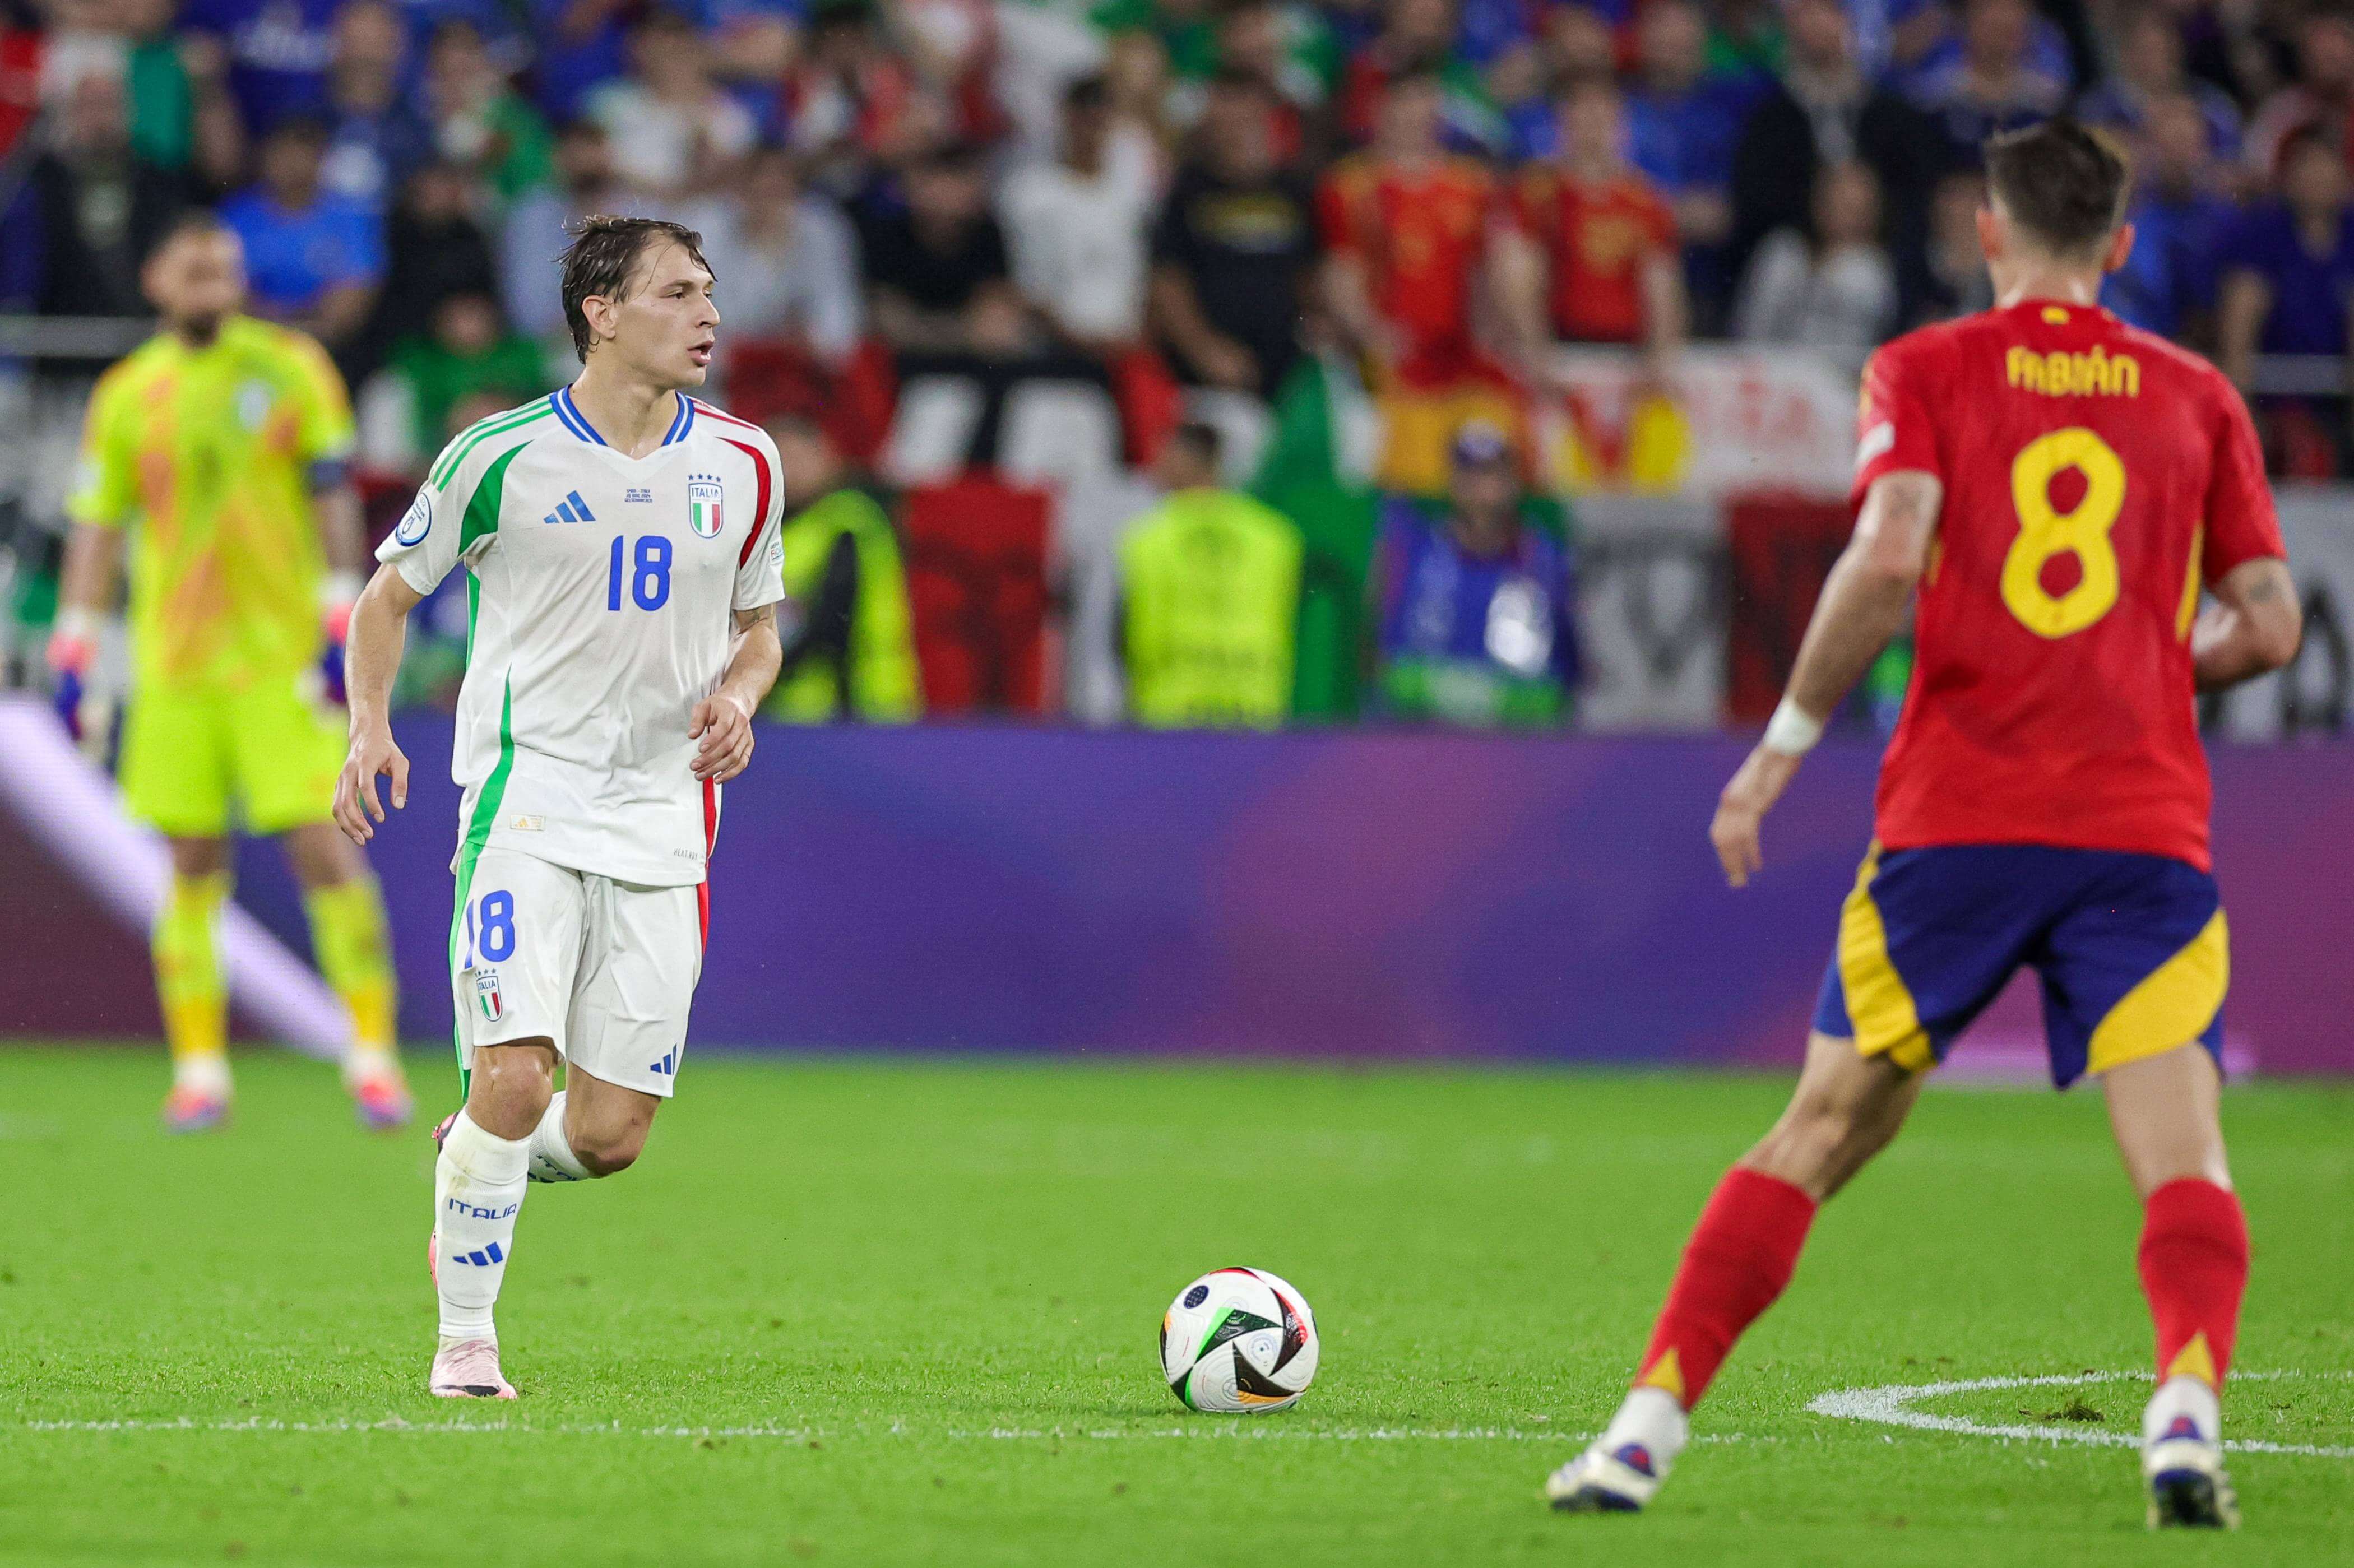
[(269, 754)]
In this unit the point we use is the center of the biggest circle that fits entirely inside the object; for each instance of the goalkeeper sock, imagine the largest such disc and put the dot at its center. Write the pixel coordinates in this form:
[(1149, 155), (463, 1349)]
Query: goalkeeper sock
[(348, 933), (2194, 1268), (189, 983), (478, 1187), (552, 1159), (1739, 1258)]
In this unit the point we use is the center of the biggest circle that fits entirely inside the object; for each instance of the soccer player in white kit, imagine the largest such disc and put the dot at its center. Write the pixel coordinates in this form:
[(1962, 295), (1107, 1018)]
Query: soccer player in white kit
[(622, 628)]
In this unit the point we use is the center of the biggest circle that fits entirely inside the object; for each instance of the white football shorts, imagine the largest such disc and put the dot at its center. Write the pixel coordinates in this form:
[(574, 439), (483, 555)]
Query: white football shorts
[(606, 970)]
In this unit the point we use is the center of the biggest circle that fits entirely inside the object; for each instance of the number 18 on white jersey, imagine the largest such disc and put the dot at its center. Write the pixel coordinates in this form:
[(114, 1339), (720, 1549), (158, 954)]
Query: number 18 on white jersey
[(599, 610)]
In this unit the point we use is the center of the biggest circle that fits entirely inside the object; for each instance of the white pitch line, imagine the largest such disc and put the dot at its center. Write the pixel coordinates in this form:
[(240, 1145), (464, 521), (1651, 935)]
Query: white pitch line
[(1253, 1432), (1891, 1405)]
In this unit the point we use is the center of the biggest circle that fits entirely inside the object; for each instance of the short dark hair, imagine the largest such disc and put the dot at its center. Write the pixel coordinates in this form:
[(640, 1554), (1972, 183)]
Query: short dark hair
[(1089, 92), (603, 258), (302, 126), (188, 221), (953, 157), (2301, 139), (1202, 438), (2062, 181)]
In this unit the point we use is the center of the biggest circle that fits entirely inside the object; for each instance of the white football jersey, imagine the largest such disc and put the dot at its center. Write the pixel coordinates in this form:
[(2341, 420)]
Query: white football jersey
[(600, 610)]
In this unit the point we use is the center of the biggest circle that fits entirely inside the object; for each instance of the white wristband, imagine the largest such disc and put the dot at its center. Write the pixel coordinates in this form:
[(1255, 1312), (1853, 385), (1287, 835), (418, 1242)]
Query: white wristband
[(1792, 731), (82, 625)]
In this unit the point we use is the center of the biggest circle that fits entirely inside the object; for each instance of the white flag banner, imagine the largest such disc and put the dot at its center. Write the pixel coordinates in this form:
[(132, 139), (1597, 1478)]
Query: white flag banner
[(1728, 420)]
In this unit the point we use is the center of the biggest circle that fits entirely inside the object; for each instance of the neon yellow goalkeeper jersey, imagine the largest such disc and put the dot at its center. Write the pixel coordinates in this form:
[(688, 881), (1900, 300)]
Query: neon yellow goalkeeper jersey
[(208, 454)]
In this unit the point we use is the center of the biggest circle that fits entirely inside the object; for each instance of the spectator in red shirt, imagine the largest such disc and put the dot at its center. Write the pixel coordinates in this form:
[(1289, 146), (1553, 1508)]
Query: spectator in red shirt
[(1405, 226), (1590, 254)]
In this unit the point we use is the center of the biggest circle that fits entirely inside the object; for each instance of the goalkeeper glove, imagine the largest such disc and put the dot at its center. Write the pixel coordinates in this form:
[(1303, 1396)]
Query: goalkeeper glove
[(73, 648), (335, 601)]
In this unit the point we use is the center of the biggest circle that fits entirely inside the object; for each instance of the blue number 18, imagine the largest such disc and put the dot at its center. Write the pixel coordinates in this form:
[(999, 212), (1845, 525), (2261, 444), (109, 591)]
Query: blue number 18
[(650, 583)]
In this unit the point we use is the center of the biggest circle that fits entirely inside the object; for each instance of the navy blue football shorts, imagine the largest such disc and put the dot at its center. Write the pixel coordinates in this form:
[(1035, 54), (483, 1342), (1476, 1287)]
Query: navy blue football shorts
[(2132, 950)]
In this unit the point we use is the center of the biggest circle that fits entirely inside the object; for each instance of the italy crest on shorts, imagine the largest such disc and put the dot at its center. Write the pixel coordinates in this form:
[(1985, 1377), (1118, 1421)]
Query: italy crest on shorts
[(704, 496), (487, 998)]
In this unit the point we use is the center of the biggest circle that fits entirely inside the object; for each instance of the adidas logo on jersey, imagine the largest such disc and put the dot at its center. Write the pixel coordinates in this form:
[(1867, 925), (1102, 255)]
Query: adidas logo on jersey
[(668, 1065), (571, 509)]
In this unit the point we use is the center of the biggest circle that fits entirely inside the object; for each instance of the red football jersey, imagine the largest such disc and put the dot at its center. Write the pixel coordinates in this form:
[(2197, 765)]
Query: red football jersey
[(2095, 477), (1597, 241), (1421, 237)]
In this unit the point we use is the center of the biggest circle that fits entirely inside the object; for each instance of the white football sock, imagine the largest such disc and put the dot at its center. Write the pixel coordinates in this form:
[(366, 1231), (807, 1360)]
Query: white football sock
[(1652, 1417), (363, 1063), (478, 1187), (552, 1159), (206, 1074), (2178, 1397)]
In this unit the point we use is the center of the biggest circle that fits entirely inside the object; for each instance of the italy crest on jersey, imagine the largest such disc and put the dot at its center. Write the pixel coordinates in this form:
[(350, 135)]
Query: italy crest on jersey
[(703, 495)]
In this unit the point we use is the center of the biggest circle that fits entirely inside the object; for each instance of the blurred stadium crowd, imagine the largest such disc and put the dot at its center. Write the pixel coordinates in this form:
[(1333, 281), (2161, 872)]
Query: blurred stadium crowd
[(931, 219)]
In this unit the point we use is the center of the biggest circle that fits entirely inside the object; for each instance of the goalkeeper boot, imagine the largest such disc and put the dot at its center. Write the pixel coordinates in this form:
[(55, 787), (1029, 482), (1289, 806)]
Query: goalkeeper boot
[(379, 1091), (194, 1109)]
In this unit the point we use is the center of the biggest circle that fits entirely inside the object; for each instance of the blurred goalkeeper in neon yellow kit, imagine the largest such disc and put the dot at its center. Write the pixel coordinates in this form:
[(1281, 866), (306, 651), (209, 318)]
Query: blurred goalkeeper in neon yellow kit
[(220, 447)]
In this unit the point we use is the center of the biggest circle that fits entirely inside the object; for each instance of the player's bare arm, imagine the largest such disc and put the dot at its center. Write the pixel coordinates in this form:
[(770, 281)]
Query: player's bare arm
[(723, 721), (379, 628), (2251, 630), (1862, 607)]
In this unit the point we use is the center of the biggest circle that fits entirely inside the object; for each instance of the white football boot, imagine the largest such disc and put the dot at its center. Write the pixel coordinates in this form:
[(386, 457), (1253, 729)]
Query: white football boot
[(2182, 1458), (468, 1369), (1621, 1471)]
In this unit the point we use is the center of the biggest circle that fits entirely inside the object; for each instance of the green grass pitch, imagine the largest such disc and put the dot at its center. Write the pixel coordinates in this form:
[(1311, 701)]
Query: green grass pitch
[(906, 1311)]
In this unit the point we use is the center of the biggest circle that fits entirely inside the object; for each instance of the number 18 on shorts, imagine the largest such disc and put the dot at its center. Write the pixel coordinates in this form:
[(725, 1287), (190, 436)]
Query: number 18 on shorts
[(603, 970)]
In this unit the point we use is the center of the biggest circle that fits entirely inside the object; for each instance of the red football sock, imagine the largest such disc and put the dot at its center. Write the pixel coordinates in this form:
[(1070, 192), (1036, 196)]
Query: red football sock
[(1739, 1258), (2194, 1265)]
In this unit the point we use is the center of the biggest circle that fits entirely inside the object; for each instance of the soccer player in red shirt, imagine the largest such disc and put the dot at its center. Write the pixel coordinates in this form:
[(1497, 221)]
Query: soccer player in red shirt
[(2058, 487)]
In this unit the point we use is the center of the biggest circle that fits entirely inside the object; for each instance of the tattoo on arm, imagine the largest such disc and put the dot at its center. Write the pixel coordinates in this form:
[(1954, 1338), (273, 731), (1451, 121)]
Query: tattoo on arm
[(747, 619)]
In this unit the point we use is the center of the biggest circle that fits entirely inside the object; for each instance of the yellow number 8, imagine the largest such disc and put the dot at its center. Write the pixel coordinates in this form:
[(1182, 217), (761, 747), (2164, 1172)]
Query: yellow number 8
[(2044, 531)]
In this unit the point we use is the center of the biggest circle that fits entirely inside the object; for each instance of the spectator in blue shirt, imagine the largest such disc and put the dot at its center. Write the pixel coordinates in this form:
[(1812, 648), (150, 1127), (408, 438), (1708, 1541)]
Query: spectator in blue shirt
[(314, 258), (2167, 284), (2150, 68), (1682, 124), (278, 53), (1999, 81), (1473, 606), (581, 44), (2288, 265), (376, 137)]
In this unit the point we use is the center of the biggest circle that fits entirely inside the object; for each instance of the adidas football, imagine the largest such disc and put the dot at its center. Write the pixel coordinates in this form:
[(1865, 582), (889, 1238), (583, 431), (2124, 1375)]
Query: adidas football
[(1238, 1341)]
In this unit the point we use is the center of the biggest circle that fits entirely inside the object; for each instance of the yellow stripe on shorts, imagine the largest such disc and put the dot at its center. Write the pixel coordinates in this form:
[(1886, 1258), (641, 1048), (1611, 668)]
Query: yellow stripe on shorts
[(2172, 1006), (1879, 1007)]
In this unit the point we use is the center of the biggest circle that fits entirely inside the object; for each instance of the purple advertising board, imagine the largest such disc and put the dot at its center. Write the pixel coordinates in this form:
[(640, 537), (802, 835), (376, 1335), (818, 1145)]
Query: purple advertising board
[(1326, 894)]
